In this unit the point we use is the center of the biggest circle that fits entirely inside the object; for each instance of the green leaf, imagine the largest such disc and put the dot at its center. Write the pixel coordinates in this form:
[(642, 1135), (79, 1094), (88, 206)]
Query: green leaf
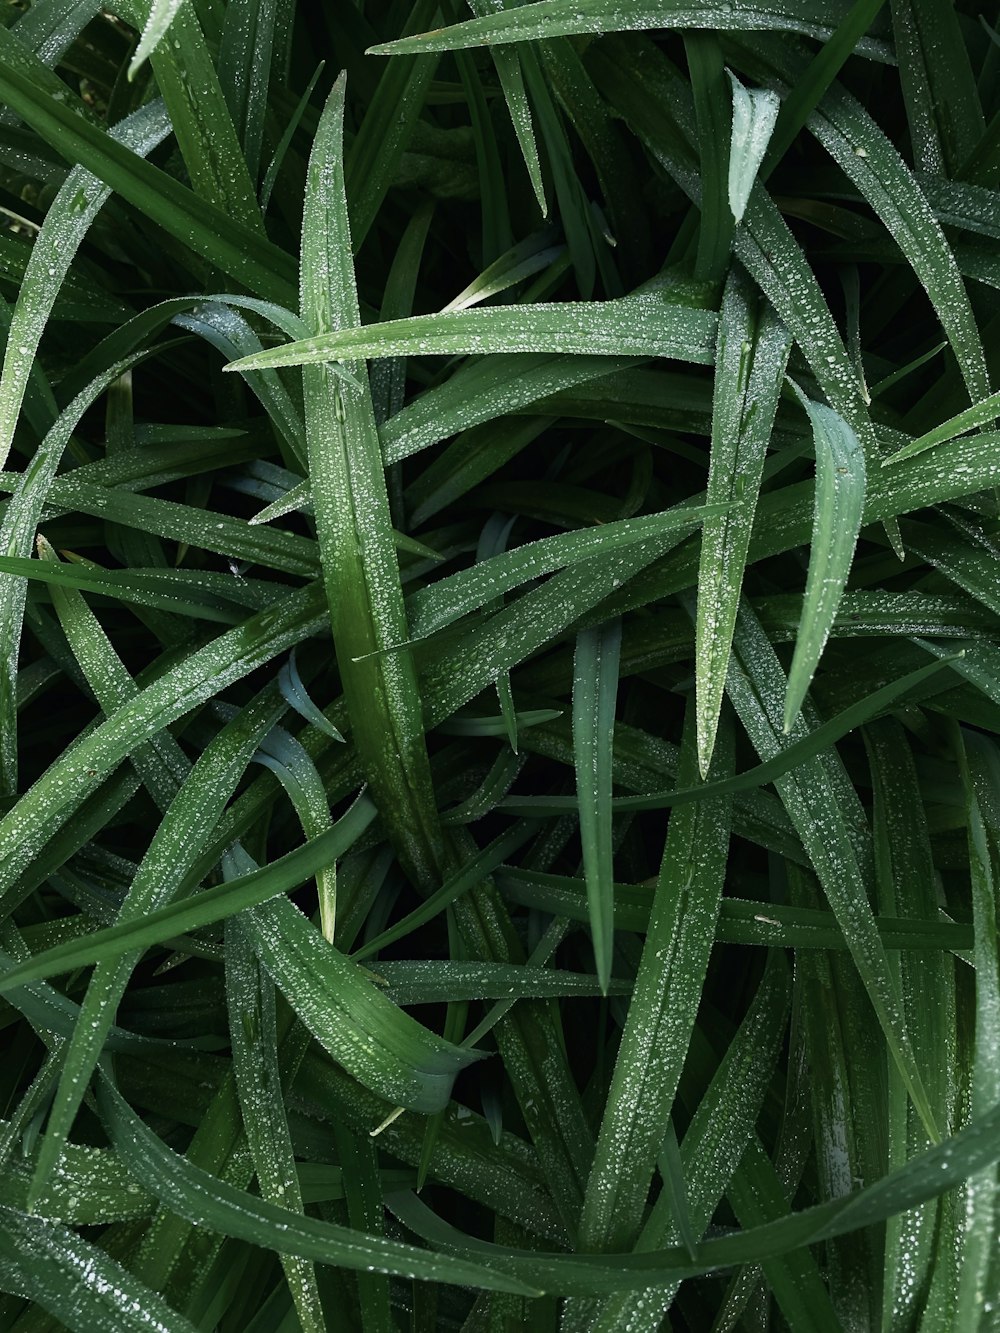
[(595, 689), (362, 1030), (161, 15), (755, 112), (254, 1035), (75, 1281), (924, 1177), (840, 498), (982, 414), (560, 18), (354, 528), (809, 794), (661, 1015), (206, 1200), (644, 324), (237, 250), (750, 365), (205, 908)]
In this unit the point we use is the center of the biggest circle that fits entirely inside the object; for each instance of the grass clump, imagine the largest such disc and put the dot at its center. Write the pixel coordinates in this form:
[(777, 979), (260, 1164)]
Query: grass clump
[(499, 667)]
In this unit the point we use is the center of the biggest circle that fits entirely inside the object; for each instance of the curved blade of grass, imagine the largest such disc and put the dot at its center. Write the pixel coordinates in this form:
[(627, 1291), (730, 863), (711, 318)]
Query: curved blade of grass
[(563, 18), (26, 828), (206, 228), (810, 796), (467, 877), (202, 909), (297, 697), (66, 224), (17, 533), (595, 691), (924, 1177), (755, 112), (254, 1035), (230, 334), (354, 529), (297, 773), (76, 1282), (440, 604), (353, 1021), (206, 1200), (713, 1144), (751, 356), (189, 819), (840, 499), (148, 323), (661, 1015)]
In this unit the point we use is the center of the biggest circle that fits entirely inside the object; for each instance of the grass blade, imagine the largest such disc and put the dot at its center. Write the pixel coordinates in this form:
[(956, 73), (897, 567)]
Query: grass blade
[(661, 1015), (755, 112), (560, 18), (750, 365), (595, 688), (840, 498), (355, 530), (809, 797)]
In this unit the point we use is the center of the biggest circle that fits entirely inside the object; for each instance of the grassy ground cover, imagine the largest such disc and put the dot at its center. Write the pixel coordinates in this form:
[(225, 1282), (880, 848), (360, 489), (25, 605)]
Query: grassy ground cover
[(499, 666)]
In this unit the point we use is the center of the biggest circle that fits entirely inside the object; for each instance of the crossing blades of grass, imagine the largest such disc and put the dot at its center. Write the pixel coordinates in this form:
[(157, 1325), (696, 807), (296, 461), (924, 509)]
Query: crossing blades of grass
[(236, 249), (253, 1027), (17, 532), (359, 671), (354, 527), (662, 1012), (81, 1283), (810, 798), (234, 1212)]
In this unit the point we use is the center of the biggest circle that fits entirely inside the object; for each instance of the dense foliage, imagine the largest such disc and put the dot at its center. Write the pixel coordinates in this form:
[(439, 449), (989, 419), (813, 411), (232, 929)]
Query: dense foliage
[(499, 666)]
